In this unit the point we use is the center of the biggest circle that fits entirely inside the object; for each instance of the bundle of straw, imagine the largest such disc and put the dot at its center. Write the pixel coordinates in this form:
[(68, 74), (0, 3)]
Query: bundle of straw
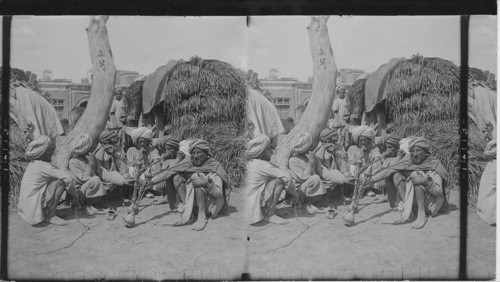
[(356, 97), (133, 99), (206, 99), (423, 100), (17, 161)]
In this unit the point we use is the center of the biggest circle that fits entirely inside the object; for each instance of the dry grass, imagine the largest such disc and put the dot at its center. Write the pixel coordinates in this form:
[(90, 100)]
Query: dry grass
[(356, 96), (17, 161), (423, 100), (133, 98), (206, 99)]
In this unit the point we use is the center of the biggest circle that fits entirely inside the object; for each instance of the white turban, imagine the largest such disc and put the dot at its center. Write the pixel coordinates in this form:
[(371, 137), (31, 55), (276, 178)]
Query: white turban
[(256, 146), (37, 147), (362, 130), (184, 146), (81, 144), (141, 132), (304, 141)]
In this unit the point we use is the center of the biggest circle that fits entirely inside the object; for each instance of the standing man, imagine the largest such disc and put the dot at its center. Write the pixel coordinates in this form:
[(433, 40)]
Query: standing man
[(117, 116), (340, 105)]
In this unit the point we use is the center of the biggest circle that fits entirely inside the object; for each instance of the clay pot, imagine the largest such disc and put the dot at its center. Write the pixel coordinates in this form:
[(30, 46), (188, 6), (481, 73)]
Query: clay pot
[(348, 218), (130, 220)]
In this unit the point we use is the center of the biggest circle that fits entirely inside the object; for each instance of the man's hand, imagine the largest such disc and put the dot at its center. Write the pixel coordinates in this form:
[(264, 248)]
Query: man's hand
[(349, 180), (148, 175), (313, 161), (129, 182), (419, 178), (199, 180)]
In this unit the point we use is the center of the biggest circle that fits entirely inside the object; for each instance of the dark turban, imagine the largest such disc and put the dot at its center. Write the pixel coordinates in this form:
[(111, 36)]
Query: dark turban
[(328, 135), (169, 142), (107, 136)]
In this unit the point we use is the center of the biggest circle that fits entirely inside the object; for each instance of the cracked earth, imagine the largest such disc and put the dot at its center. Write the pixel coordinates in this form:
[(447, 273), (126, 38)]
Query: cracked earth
[(308, 247)]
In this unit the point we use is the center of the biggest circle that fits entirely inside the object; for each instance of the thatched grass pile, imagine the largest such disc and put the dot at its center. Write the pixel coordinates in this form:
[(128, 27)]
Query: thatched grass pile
[(423, 100), (133, 98), (17, 161), (206, 99), (17, 142), (356, 97)]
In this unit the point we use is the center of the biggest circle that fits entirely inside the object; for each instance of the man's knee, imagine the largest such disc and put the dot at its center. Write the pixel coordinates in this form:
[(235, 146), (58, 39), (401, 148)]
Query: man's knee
[(178, 180), (94, 180), (398, 178), (315, 179)]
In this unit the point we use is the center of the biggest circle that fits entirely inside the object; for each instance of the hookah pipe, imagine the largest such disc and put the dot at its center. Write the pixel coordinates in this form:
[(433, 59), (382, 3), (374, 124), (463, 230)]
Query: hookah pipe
[(139, 191), (138, 194)]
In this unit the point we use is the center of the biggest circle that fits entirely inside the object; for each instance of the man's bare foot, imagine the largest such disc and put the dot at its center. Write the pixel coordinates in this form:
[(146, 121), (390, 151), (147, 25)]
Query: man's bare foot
[(200, 223), (183, 221), (311, 209), (161, 201), (56, 221), (275, 219), (382, 199), (420, 222)]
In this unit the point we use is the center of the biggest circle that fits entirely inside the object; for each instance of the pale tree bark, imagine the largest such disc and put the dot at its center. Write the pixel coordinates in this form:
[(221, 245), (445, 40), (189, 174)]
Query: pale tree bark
[(96, 114), (315, 116)]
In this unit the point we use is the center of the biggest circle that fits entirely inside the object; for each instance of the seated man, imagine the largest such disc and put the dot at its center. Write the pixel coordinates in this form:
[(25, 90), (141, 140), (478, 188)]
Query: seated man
[(143, 155), (42, 185), (423, 178), (265, 183), (343, 131), (307, 172), (330, 154), (391, 156), (87, 173), (364, 155), (200, 181), (169, 148), (110, 156)]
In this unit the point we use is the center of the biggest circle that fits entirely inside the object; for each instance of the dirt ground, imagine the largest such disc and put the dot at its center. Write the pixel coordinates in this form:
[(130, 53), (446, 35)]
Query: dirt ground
[(309, 247)]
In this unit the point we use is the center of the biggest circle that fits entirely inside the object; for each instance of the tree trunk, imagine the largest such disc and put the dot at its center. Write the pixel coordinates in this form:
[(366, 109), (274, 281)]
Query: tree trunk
[(317, 111), (96, 114)]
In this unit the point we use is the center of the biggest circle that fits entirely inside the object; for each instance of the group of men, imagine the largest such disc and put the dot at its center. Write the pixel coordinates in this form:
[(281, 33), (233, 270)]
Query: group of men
[(405, 174), (194, 182)]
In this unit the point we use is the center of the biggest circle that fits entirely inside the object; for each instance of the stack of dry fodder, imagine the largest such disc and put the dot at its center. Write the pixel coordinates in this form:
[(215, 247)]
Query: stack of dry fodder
[(356, 97), (17, 161), (423, 99), (206, 99), (17, 141), (133, 99)]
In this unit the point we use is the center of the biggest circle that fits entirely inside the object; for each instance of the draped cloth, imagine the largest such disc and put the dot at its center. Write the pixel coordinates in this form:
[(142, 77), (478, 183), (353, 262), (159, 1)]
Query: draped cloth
[(260, 185), (486, 198), (34, 185), (429, 164)]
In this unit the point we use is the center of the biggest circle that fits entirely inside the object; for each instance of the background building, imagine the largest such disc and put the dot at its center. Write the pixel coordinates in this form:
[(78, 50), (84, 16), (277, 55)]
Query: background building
[(66, 95)]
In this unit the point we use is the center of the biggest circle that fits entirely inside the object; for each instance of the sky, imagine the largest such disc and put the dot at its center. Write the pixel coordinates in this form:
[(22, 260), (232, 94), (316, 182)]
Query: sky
[(145, 43)]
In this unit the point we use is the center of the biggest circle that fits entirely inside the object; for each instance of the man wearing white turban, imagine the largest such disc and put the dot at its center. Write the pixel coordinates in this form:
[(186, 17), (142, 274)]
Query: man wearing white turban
[(89, 175), (307, 172), (42, 185), (144, 154), (364, 153), (265, 183)]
